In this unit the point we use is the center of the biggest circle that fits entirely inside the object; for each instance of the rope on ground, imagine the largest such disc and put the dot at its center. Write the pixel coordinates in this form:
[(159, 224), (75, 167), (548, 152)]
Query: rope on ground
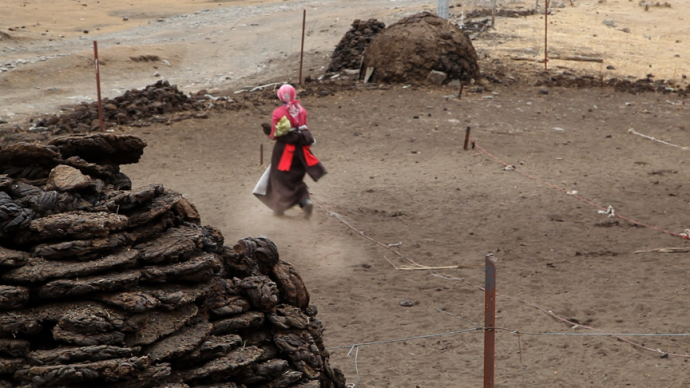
[(618, 336), (608, 211), (414, 265), (634, 132)]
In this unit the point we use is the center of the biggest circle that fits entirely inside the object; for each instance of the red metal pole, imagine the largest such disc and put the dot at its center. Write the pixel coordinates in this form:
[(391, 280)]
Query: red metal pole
[(467, 138), (489, 320), (301, 51), (546, 34), (98, 86)]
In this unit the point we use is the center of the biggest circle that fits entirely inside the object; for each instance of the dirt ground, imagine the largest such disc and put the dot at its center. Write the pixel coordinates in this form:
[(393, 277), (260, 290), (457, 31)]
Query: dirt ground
[(398, 173)]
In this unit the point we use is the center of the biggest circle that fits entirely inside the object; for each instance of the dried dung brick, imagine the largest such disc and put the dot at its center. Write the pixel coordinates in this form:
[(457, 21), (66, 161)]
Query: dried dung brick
[(70, 355), (14, 347), (233, 305), (103, 148), (12, 297), (195, 270), (187, 210), (173, 296), (250, 320), (90, 319), (155, 208), (292, 288), (28, 154), (69, 337), (107, 370), (261, 292), (180, 342), (284, 380), (213, 347), (11, 258), (92, 169), (309, 384), (12, 215), (18, 322), (261, 250), (82, 249), (148, 377), (174, 244), (39, 270), (10, 365), (66, 178), (128, 200), (136, 302), (265, 371), (223, 367), (81, 286), (302, 351), (155, 324), (79, 225), (288, 317)]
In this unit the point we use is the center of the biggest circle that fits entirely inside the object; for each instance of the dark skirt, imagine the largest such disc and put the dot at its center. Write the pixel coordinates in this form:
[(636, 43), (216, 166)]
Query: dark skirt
[(287, 188)]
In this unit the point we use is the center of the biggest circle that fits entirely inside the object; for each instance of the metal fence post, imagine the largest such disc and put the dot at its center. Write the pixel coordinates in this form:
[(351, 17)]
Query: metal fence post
[(489, 320)]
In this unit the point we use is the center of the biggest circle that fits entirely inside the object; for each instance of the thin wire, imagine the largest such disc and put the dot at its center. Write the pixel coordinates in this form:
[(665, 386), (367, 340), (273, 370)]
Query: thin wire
[(361, 233), (405, 339), (551, 314)]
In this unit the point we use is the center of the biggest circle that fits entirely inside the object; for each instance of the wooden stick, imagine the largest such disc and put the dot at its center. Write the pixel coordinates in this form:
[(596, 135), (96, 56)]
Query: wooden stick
[(666, 250), (580, 59)]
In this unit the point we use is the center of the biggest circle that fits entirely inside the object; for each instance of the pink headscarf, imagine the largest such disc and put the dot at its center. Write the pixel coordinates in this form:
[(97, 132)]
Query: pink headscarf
[(287, 94)]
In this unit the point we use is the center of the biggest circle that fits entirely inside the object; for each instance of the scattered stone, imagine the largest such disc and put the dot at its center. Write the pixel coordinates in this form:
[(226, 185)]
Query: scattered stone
[(609, 23), (543, 91), (437, 77), (610, 67)]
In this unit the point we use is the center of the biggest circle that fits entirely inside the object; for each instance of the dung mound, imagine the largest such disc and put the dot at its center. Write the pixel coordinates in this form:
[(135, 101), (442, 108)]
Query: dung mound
[(348, 53), (411, 48), (104, 286)]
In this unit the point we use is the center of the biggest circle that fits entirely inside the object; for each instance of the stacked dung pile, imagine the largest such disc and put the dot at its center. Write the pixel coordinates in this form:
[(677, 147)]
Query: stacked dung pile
[(105, 286), (422, 47), (135, 107), (348, 53)]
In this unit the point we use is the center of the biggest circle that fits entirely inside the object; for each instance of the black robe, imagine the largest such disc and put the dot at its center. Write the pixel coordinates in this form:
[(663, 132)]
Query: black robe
[(287, 188)]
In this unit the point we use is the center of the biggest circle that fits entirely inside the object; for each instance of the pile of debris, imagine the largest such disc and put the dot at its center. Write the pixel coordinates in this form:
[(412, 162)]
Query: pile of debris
[(422, 47), (101, 285), (348, 53), (137, 108)]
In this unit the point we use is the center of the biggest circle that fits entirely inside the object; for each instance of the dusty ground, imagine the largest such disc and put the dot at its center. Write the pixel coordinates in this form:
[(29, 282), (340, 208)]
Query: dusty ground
[(401, 179), (404, 179)]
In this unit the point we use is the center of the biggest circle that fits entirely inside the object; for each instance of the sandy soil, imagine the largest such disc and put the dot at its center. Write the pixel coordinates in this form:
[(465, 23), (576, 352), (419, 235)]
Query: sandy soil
[(398, 173), (404, 179)]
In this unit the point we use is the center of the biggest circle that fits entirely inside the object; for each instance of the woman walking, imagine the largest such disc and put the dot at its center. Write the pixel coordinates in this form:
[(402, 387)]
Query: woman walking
[(282, 185)]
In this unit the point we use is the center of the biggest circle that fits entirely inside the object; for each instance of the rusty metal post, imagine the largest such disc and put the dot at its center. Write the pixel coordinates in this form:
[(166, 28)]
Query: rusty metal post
[(98, 86), (467, 138), (261, 153), (493, 13), (462, 86), (301, 51), (489, 320), (546, 34)]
